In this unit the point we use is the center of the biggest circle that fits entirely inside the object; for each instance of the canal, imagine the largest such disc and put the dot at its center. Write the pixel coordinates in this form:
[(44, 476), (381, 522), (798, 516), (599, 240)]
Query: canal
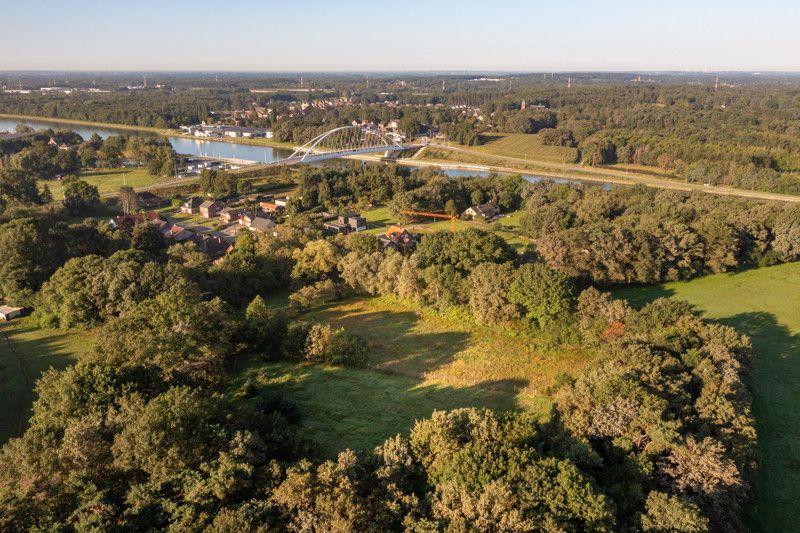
[(200, 147)]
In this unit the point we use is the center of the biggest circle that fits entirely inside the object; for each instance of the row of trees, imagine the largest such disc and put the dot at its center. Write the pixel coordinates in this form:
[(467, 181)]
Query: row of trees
[(642, 235)]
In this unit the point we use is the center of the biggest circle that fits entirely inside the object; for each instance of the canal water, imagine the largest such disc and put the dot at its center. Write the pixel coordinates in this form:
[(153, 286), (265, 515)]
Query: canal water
[(182, 145), (200, 147)]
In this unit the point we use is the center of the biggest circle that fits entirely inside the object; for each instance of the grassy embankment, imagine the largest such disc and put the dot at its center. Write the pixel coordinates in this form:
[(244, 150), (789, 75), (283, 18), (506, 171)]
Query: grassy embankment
[(525, 146), (25, 352), (418, 361), (764, 304)]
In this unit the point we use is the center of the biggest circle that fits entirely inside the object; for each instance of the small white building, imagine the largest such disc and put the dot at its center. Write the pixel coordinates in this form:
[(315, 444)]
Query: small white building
[(7, 313)]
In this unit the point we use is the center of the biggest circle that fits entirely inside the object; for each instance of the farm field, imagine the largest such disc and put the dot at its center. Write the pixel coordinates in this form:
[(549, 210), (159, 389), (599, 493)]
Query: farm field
[(418, 361), (764, 304), (25, 352), (524, 146)]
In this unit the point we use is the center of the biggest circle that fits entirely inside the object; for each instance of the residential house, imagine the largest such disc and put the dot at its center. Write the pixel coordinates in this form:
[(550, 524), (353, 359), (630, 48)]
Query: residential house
[(191, 206), (262, 225), (214, 243), (7, 313), (349, 223), (135, 218), (176, 232), (150, 200), (231, 214), (282, 202), (211, 208), (397, 238), (270, 207), (488, 211)]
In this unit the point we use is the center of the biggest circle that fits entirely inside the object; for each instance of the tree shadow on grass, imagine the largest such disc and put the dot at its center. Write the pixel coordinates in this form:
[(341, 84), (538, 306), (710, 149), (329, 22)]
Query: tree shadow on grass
[(394, 347), (359, 408), (776, 399), (22, 361), (638, 297)]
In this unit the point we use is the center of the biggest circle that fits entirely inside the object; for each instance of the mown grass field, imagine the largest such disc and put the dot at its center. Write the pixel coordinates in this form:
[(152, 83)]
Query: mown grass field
[(25, 352), (418, 361), (107, 181), (525, 146), (379, 220), (764, 304)]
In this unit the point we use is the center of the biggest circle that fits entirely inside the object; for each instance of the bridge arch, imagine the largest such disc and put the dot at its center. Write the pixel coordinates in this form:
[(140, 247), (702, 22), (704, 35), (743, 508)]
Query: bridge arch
[(344, 141)]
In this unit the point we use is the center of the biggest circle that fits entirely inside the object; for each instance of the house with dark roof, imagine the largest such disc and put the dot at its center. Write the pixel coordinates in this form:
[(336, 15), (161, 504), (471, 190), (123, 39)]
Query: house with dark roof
[(262, 225), (231, 214), (150, 200), (135, 218), (214, 243), (191, 206), (488, 211), (349, 223), (211, 208)]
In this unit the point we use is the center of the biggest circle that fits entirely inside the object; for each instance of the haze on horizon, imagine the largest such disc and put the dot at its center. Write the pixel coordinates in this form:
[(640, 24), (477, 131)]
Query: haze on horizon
[(506, 35)]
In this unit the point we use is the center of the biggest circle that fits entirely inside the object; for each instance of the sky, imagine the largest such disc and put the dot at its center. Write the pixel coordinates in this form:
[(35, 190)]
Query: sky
[(446, 35)]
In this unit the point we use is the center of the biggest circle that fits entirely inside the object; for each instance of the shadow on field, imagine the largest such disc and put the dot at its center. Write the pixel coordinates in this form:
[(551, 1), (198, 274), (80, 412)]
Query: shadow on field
[(395, 347), (638, 297), (359, 408), (21, 363), (776, 386)]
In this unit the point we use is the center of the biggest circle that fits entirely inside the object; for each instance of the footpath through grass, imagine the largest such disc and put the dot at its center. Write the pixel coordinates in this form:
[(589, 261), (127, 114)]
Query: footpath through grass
[(764, 304), (418, 361), (25, 352)]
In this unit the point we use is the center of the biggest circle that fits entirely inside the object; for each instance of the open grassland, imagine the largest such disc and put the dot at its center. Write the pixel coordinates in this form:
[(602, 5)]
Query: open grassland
[(418, 361), (25, 352), (380, 218), (764, 304), (107, 181), (525, 146)]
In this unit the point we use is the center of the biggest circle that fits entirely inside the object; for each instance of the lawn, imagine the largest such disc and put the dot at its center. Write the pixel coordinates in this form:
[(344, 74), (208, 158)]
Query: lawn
[(379, 219), (418, 361), (108, 181), (25, 352), (764, 304), (525, 146)]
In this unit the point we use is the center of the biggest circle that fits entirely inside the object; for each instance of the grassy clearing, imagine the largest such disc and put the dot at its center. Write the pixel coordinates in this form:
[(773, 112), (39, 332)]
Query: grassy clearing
[(379, 220), (418, 361), (763, 304), (25, 352), (525, 146), (352, 408), (107, 181)]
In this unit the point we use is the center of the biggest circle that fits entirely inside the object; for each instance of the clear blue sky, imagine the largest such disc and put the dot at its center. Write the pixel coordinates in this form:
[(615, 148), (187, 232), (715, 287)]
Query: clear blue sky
[(399, 35)]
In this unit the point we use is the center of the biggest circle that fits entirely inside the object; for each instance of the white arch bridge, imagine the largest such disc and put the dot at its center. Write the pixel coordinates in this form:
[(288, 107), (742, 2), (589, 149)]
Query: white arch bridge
[(347, 141)]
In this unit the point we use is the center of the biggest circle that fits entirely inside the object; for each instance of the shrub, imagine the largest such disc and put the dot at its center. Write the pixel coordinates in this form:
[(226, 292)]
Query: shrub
[(336, 347), (319, 293)]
